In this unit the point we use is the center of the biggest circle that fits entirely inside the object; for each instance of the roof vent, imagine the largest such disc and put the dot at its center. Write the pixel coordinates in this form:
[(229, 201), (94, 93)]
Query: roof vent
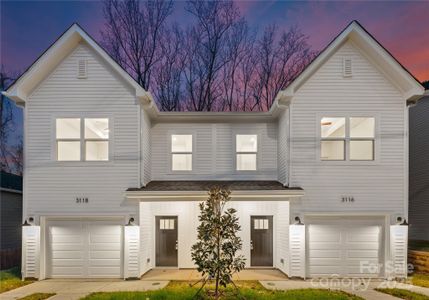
[(347, 67), (82, 68)]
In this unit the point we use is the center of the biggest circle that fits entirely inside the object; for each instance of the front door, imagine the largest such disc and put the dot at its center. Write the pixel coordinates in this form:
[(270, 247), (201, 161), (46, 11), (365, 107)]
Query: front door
[(261, 241), (166, 241)]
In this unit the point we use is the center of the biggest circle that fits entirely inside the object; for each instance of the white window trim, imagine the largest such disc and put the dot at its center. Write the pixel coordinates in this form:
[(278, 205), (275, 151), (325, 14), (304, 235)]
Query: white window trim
[(258, 150), (347, 161), (82, 161), (170, 152)]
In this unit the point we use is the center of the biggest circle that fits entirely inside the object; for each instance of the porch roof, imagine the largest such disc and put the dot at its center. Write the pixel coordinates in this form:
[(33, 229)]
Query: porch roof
[(197, 189), (205, 185)]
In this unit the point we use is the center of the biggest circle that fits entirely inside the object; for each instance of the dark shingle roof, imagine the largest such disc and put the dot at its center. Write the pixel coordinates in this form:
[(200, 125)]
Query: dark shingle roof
[(10, 181), (233, 185)]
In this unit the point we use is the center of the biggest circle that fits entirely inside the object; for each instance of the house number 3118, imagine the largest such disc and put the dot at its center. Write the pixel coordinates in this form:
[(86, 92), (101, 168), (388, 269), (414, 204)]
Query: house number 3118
[(82, 200), (347, 199)]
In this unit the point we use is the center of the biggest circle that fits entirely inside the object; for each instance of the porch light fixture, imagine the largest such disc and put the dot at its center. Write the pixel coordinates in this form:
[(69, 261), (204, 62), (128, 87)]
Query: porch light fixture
[(404, 223), (130, 222), (298, 221), (398, 220), (28, 221)]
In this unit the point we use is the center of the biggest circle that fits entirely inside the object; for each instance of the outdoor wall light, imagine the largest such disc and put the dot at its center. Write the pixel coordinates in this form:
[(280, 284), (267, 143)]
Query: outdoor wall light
[(130, 222), (298, 221), (404, 223), (28, 221), (398, 220)]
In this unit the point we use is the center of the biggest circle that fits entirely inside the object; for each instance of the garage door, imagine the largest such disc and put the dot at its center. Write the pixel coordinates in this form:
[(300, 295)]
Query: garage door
[(342, 246), (84, 249)]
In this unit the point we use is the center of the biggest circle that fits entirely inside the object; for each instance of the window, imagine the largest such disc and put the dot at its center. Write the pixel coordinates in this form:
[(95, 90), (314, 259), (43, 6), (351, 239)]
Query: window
[(96, 139), (362, 135), (68, 139), (181, 152), (246, 146), (71, 141), (357, 134), (261, 224), (166, 224)]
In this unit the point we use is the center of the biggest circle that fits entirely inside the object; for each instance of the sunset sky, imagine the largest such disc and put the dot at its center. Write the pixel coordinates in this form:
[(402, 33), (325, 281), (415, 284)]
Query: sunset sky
[(28, 28)]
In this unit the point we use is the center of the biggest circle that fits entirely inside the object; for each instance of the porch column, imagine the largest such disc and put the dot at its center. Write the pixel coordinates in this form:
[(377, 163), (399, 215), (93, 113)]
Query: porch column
[(398, 251), (297, 250), (30, 251), (131, 251)]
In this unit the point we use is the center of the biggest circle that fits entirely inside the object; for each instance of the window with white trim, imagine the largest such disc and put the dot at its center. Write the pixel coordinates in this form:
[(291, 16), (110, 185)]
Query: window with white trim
[(82, 139), (96, 139), (246, 147), (351, 138), (68, 139), (181, 152)]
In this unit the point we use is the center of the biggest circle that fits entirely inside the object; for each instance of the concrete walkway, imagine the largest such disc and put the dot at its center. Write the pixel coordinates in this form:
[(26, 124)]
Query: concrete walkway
[(363, 288), (194, 275), (75, 289)]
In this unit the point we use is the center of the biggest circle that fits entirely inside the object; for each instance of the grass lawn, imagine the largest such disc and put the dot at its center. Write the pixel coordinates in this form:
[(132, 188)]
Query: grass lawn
[(404, 294), (11, 279), (420, 279), (37, 296), (249, 290)]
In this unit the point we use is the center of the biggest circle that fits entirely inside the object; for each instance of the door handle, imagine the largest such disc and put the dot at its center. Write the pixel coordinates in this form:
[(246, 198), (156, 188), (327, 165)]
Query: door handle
[(251, 245), (177, 245)]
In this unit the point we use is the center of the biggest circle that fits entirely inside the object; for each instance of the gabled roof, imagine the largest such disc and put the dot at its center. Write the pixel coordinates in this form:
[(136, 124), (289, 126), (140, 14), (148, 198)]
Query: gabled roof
[(407, 84), (49, 60)]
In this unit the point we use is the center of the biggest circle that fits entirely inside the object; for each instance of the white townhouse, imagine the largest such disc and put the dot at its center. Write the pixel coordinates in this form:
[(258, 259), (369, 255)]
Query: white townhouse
[(112, 184)]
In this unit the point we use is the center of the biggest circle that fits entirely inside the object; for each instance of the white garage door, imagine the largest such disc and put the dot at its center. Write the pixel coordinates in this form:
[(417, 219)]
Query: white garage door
[(84, 249), (346, 246)]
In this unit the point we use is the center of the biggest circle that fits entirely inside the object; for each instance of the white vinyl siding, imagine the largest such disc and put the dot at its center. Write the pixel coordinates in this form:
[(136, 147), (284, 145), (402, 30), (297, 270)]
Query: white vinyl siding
[(214, 151), (52, 187), (375, 185), (283, 146)]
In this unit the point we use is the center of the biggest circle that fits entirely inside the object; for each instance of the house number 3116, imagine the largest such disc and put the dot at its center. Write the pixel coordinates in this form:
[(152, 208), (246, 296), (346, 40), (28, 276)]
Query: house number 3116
[(82, 200), (347, 199)]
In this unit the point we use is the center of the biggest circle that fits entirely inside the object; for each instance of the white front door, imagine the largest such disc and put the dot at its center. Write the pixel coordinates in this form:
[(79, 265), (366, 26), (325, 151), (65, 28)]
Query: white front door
[(344, 246), (84, 248)]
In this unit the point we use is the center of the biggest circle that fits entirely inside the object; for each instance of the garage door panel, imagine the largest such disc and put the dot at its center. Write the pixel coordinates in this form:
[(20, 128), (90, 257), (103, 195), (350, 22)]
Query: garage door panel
[(65, 271), (67, 255), (67, 263), (324, 261), (66, 239), (325, 253), (104, 246), (105, 238), (340, 245), (84, 248), (362, 254), (107, 272)]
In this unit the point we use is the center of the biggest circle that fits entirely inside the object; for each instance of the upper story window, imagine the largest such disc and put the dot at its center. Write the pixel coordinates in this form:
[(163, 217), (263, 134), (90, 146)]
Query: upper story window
[(181, 152), (246, 147), (75, 136), (350, 138)]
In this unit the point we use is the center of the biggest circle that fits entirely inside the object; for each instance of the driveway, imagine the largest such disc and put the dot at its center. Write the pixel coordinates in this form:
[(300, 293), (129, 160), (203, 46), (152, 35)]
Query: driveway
[(76, 289)]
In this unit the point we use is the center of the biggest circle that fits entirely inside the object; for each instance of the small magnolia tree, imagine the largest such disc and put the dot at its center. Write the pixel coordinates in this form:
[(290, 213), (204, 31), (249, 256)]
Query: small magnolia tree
[(217, 245)]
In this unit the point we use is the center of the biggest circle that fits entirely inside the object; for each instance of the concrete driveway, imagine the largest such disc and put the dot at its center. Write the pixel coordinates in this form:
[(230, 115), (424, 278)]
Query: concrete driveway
[(76, 289)]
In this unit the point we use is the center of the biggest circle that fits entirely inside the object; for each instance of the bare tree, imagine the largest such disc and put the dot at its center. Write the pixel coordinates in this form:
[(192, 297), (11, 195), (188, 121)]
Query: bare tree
[(11, 156), (207, 51), (215, 64), (132, 33), (168, 88)]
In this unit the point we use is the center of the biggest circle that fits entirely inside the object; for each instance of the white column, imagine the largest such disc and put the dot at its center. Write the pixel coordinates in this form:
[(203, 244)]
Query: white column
[(131, 252), (297, 251), (398, 251), (30, 251)]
